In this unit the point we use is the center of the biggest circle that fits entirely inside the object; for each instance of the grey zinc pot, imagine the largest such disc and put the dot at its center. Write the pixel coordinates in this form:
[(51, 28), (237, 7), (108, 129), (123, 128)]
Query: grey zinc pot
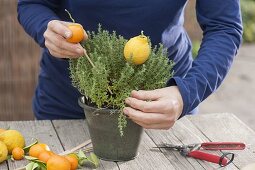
[(105, 136)]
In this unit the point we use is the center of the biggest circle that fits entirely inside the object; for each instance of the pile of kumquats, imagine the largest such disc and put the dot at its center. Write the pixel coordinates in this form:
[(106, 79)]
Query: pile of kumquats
[(39, 155)]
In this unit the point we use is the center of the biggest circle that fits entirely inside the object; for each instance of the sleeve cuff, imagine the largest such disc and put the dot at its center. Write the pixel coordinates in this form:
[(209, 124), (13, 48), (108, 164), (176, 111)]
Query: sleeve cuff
[(177, 81)]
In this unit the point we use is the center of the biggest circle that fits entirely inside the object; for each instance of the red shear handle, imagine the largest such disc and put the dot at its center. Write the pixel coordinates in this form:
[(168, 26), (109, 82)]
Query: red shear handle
[(223, 146), (208, 157)]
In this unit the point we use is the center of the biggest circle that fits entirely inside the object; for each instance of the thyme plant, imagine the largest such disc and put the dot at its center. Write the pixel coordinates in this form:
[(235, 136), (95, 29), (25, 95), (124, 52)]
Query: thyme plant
[(112, 71)]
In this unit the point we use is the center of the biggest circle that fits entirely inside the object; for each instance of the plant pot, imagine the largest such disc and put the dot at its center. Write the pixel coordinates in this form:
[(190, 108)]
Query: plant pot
[(105, 135)]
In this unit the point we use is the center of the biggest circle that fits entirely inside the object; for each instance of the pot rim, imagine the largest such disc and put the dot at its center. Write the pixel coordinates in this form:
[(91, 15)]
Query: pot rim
[(81, 102)]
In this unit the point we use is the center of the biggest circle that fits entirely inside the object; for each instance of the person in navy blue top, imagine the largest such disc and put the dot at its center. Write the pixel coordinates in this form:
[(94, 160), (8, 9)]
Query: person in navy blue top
[(162, 20)]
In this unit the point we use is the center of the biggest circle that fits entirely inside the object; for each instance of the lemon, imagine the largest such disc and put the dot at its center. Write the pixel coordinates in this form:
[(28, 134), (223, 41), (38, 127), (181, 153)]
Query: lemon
[(12, 139), (137, 49), (3, 152), (2, 130)]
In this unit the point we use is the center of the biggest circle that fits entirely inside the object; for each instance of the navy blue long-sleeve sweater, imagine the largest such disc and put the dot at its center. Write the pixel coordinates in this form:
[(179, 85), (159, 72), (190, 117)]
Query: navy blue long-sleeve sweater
[(162, 20)]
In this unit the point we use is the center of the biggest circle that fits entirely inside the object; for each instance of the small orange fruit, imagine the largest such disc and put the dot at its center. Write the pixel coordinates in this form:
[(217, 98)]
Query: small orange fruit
[(73, 160), (18, 153), (77, 33), (57, 162), (45, 156), (36, 149), (137, 49)]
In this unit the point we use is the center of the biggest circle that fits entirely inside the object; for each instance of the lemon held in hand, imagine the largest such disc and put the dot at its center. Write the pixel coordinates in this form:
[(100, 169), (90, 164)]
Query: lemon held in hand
[(137, 49), (3, 152), (77, 33), (12, 139)]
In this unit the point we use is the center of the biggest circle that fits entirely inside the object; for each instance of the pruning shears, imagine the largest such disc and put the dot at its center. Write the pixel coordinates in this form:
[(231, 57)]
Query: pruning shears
[(195, 151)]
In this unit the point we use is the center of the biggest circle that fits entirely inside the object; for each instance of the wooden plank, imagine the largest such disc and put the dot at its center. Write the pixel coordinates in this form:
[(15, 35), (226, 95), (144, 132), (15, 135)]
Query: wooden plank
[(185, 125), (41, 130), (74, 132), (227, 127), (183, 132), (176, 159), (148, 158), (187, 132), (3, 165)]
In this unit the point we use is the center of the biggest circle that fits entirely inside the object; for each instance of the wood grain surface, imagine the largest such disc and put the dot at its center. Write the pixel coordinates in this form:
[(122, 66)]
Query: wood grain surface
[(63, 135)]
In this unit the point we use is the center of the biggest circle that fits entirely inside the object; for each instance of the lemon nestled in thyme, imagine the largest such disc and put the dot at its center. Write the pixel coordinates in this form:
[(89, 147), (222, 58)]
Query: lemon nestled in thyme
[(137, 49)]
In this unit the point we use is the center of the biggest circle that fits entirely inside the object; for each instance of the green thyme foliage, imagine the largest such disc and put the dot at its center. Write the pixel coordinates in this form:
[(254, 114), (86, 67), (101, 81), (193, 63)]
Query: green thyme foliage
[(122, 123), (113, 72)]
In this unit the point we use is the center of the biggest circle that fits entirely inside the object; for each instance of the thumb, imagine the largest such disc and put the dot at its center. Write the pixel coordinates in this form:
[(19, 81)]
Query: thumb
[(68, 23), (145, 94), (60, 28)]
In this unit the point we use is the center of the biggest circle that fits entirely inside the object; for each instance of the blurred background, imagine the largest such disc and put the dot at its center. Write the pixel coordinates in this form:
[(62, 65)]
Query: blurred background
[(20, 55)]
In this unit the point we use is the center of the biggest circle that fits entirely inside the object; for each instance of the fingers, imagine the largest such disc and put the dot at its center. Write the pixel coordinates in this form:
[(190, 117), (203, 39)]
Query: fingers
[(56, 43), (60, 28), (147, 118), (60, 53), (67, 23), (145, 95), (147, 106), (160, 112)]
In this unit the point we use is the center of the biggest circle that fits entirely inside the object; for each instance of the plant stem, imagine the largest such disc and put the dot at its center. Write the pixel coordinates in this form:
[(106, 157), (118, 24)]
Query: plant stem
[(70, 15), (93, 65), (90, 61), (90, 149), (86, 143), (142, 33)]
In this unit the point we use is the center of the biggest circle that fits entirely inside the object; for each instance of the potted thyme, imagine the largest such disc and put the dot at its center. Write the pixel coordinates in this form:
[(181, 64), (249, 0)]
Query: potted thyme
[(106, 78)]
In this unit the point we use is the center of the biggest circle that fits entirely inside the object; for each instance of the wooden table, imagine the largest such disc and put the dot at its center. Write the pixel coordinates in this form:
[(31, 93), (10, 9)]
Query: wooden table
[(62, 135)]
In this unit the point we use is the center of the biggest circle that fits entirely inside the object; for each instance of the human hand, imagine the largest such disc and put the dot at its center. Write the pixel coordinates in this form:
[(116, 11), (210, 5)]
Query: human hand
[(55, 40), (156, 109)]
